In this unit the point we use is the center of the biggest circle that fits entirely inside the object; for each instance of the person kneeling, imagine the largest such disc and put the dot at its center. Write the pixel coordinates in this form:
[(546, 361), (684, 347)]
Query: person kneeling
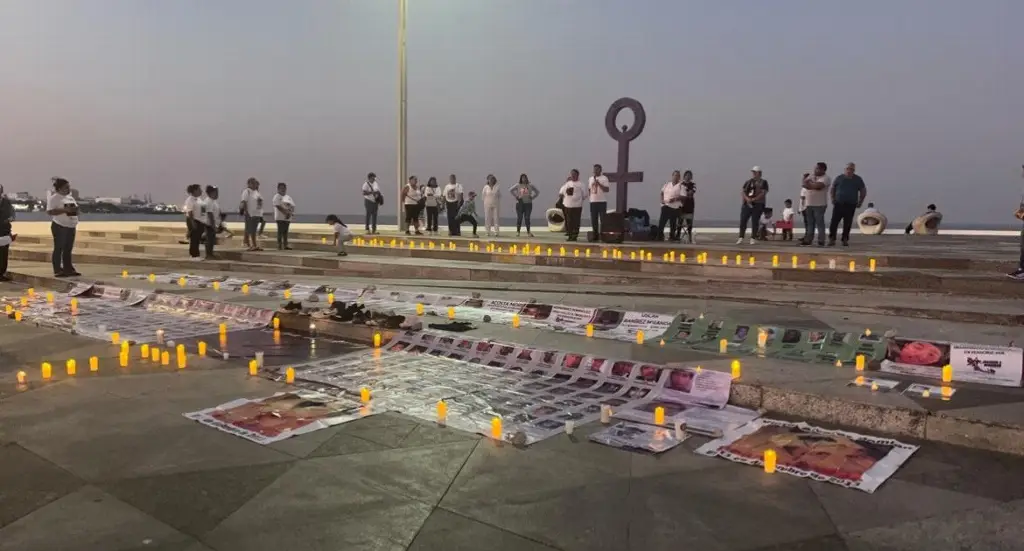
[(342, 234)]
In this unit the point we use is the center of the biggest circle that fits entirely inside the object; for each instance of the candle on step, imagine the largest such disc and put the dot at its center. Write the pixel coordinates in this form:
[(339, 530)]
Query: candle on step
[(277, 323), (201, 348), (723, 346), (123, 359), (94, 364), (515, 321), (74, 306), (154, 354), (364, 395), (853, 266), (181, 282), (795, 261), (31, 292), (861, 361), (376, 340), (770, 459), (725, 260), (659, 415), (947, 373), (451, 312), (739, 260), (606, 414), (216, 287), (165, 358), (124, 273), (496, 432), (871, 264), (735, 369), (289, 375), (775, 261), (47, 371), (144, 351), (23, 301), (72, 367), (812, 265), (22, 377), (442, 412), (49, 297)]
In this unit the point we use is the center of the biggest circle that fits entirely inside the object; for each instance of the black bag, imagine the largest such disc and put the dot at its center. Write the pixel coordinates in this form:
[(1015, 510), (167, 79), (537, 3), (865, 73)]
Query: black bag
[(379, 198), (560, 204)]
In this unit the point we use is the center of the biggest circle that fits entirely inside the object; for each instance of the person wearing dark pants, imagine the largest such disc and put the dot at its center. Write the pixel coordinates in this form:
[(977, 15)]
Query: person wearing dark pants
[(467, 213), (63, 211), (453, 198), (213, 220), (196, 229), (571, 197), (432, 203), (598, 187), (195, 213), (284, 210), (848, 193), (754, 192), (1018, 274), (671, 208), (372, 200), (6, 236), (524, 193)]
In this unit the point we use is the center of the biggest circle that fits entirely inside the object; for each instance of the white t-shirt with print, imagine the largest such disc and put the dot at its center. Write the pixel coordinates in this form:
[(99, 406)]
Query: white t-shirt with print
[(413, 195), (253, 202), (190, 204), (672, 195), (211, 206), (787, 214), (369, 189), (285, 201), (451, 192), (58, 201), (597, 193), (575, 200)]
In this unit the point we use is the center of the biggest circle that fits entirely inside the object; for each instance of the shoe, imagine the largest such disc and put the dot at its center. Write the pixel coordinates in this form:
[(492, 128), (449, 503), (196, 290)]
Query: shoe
[(753, 241), (803, 243), (831, 242), (821, 243), (518, 233), (418, 233), (529, 234), (195, 258), (61, 274), (4, 278), (1017, 274), (846, 243), (739, 241), (407, 232), (287, 248), (342, 254), (72, 273)]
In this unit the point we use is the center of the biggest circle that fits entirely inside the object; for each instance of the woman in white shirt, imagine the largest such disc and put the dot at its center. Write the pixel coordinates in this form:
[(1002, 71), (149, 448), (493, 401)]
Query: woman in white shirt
[(372, 200), (571, 196), (599, 186), (492, 204), (195, 212), (671, 208), (453, 197), (432, 202), (252, 209), (412, 200), (284, 210), (63, 211)]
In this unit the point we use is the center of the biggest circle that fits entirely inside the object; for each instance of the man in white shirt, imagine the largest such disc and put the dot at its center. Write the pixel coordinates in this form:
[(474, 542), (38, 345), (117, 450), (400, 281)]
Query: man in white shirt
[(252, 207), (213, 219), (284, 210), (671, 208), (571, 194), (814, 198), (599, 187), (372, 199), (452, 194), (63, 211)]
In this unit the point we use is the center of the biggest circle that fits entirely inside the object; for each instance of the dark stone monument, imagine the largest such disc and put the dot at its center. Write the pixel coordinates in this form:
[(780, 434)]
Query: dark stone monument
[(622, 176)]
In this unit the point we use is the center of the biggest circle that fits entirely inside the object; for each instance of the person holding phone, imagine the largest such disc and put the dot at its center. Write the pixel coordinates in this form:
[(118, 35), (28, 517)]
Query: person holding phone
[(63, 211), (571, 197), (599, 186), (814, 190)]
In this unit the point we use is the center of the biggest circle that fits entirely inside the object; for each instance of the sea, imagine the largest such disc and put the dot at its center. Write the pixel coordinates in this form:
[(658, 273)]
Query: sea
[(384, 220)]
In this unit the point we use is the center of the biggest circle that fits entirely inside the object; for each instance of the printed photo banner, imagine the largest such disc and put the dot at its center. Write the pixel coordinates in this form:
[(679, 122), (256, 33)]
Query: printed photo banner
[(633, 436), (534, 391), (210, 310), (844, 458), (275, 418), (972, 363)]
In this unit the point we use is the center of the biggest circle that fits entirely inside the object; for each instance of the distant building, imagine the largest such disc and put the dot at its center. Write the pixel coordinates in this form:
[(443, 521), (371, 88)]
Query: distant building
[(110, 200)]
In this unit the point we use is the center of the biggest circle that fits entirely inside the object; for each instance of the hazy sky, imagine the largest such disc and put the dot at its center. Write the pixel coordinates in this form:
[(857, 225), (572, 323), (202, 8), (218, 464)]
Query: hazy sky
[(124, 96)]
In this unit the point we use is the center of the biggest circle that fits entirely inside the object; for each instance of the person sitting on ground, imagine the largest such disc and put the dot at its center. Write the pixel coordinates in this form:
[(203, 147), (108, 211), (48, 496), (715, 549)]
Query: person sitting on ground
[(870, 210), (910, 226), (467, 213), (342, 234), (765, 223)]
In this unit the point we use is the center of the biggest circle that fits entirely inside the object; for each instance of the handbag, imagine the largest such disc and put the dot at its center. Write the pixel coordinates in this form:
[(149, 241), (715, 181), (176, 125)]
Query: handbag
[(379, 198)]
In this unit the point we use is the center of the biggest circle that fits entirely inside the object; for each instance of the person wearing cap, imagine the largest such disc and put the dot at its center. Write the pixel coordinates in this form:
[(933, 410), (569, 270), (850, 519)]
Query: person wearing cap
[(848, 193), (755, 190)]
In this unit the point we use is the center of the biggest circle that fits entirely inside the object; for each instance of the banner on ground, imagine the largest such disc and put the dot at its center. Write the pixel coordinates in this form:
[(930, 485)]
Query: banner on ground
[(844, 458), (972, 363)]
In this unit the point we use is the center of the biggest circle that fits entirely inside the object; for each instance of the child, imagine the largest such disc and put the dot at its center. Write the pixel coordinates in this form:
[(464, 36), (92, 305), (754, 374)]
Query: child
[(467, 212), (766, 222), (341, 233), (787, 217)]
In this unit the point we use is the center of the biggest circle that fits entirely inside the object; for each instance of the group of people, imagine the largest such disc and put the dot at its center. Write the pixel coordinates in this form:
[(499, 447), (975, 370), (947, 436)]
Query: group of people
[(846, 193), (204, 217)]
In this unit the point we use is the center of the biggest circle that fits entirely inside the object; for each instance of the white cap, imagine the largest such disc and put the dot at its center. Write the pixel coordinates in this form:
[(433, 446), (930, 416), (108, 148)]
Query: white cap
[(756, 169)]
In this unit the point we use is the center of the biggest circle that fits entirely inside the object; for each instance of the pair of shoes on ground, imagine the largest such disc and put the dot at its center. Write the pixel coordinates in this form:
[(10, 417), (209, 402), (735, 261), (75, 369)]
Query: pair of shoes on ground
[(752, 241), (72, 273)]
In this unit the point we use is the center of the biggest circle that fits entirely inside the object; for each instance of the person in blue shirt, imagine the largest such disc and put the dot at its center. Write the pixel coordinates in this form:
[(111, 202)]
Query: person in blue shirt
[(848, 193)]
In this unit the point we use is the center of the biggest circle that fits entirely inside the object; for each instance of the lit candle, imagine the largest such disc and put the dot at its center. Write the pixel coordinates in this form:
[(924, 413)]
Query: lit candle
[(152, 278), (661, 343), (364, 395), (451, 312), (926, 393), (165, 358), (419, 309), (853, 266), (795, 262), (94, 364), (201, 347), (735, 369), (871, 264), (47, 371), (181, 281), (682, 258), (31, 292), (725, 260), (49, 297), (115, 337), (946, 392), (649, 257), (587, 253), (442, 412), (144, 351), (762, 338), (289, 375), (330, 298), (216, 287), (254, 368), (561, 251), (739, 260), (723, 346), (812, 265), (659, 415), (832, 264), (74, 306), (606, 414), (124, 273), (750, 261), (590, 329), (23, 301), (860, 362), (8, 309), (154, 354), (576, 253), (376, 340), (22, 377), (72, 367), (859, 380), (515, 321), (867, 332), (664, 257), (549, 251), (496, 432), (123, 359), (17, 316), (947, 373), (874, 386), (277, 323), (222, 328), (640, 336), (245, 288), (775, 261), (604, 254), (839, 363), (770, 458)]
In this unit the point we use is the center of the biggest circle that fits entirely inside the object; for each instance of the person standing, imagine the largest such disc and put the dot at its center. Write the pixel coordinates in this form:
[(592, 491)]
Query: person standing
[(453, 198), (252, 207), (848, 193), (432, 202), (525, 193), (372, 200), (671, 207), (63, 211), (1018, 274), (689, 205), (814, 197), (571, 196), (195, 216), (6, 235), (412, 198), (599, 187), (284, 212), (755, 190), (492, 205), (212, 222)]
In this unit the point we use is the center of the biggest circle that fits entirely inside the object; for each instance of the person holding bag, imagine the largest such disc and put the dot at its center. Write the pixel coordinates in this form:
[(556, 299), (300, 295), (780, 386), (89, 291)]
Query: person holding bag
[(412, 200), (372, 200), (432, 202)]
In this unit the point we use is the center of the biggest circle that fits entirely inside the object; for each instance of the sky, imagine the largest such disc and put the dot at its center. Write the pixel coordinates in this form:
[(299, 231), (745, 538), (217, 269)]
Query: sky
[(148, 96)]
